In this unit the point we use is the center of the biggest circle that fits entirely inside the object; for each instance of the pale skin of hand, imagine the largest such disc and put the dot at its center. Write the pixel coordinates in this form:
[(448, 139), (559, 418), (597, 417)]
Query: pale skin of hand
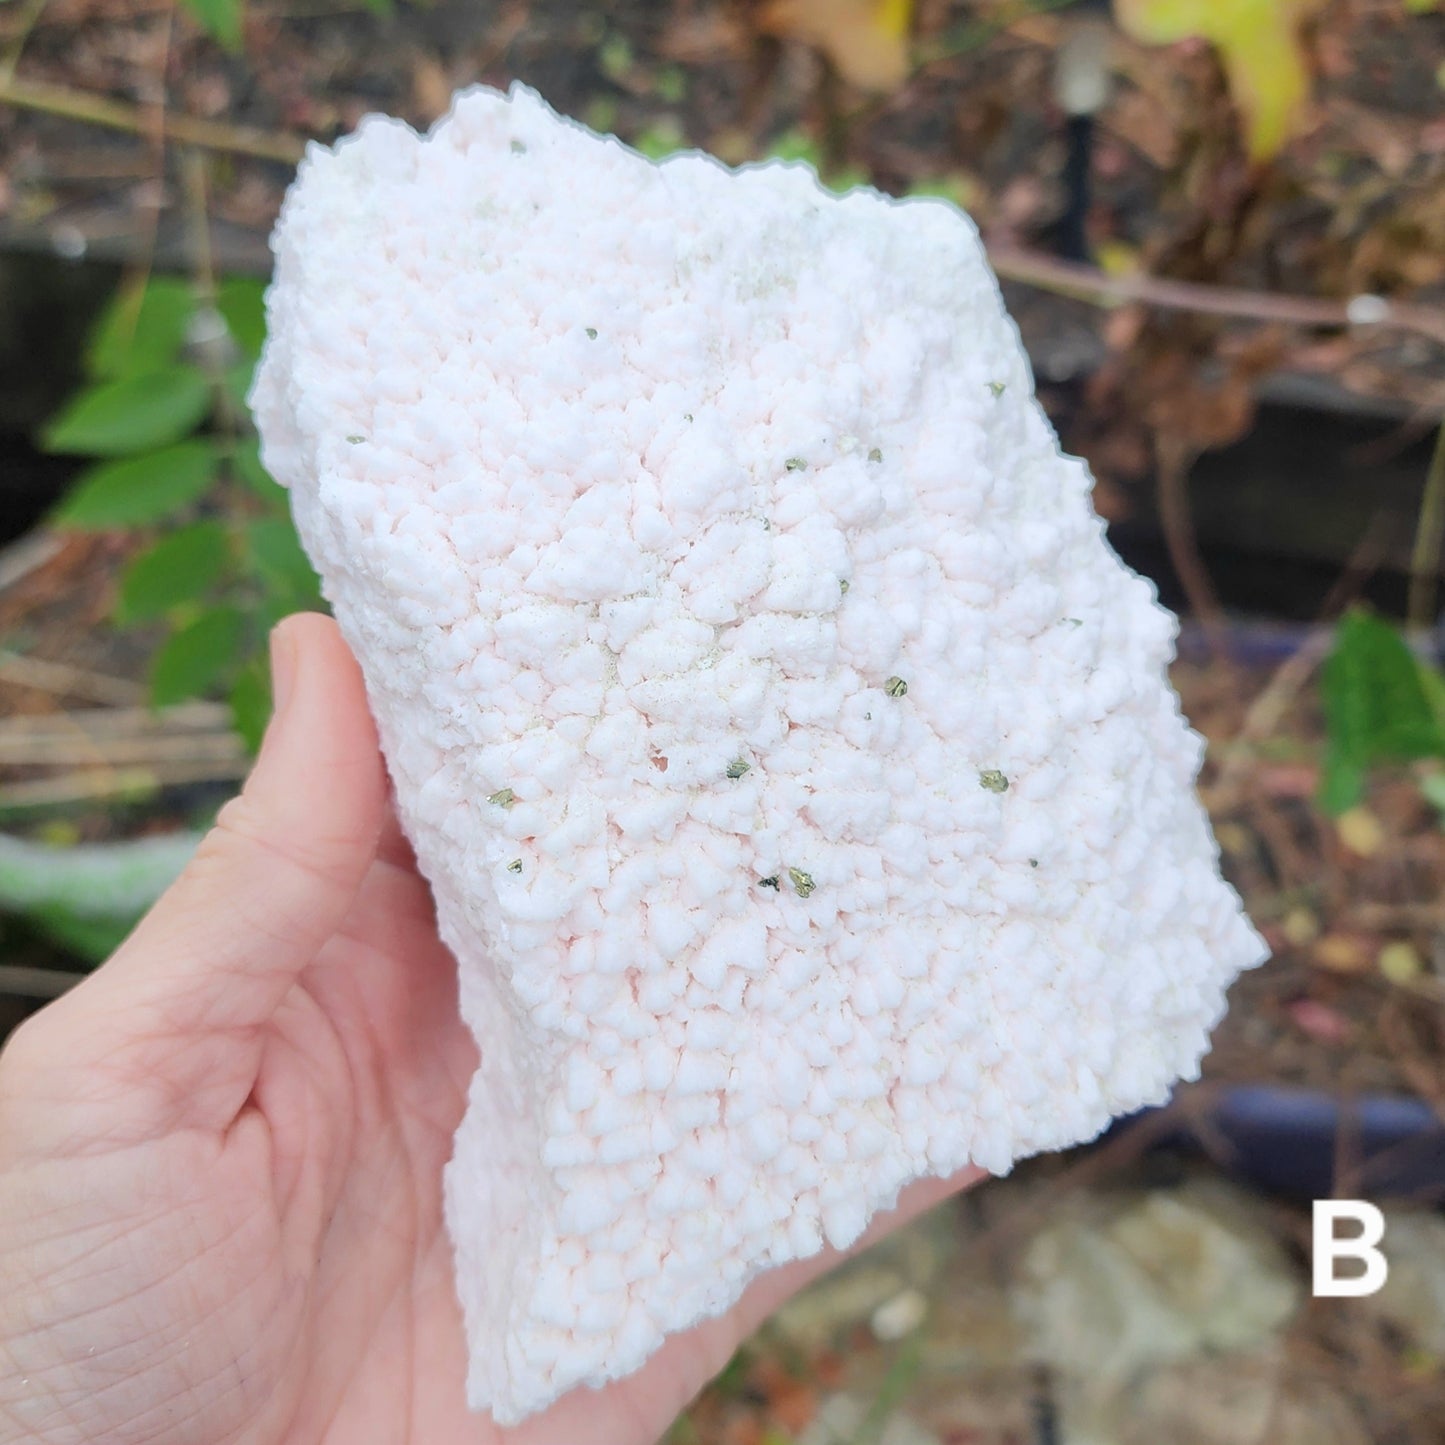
[(221, 1155)]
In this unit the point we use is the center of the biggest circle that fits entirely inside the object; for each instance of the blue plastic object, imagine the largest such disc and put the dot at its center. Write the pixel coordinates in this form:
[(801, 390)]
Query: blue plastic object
[(1305, 1144)]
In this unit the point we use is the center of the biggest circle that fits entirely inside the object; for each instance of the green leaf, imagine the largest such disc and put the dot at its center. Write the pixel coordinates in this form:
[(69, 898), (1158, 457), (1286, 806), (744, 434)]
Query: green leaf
[(238, 383), (194, 659), (273, 608), (221, 19), (139, 490), (276, 554), (251, 703), (182, 567), (1376, 707), (241, 300), (796, 145), (90, 939), (246, 463), (662, 139), (134, 414), (1342, 782), (142, 328), (1434, 684)]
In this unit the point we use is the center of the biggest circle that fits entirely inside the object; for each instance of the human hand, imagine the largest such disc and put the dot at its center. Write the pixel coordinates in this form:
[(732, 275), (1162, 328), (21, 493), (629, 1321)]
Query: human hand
[(221, 1154)]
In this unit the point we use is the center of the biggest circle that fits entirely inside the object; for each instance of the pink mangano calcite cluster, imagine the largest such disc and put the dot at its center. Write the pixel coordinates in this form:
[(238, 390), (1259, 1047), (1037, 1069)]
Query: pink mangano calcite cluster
[(792, 760)]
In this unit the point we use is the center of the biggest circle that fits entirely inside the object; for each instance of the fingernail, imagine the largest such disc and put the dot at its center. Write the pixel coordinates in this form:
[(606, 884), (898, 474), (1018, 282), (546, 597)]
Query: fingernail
[(283, 666)]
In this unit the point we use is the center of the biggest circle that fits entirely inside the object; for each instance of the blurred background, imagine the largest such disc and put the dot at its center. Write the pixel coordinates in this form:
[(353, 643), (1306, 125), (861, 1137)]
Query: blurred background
[(1221, 227)]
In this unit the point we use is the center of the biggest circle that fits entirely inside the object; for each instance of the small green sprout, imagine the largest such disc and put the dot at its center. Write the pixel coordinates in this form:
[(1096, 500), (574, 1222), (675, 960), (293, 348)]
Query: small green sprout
[(592, 333), (670, 84), (519, 148), (993, 780), (997, 388), (876, 454), (355, 441), (768, 882), (687, 416), (896, 687), (844, 584), (515, 866), (1074, 621), (503, 798), (1033, 862), (802, 882), (737, 768), (796, 464), (615, 58)]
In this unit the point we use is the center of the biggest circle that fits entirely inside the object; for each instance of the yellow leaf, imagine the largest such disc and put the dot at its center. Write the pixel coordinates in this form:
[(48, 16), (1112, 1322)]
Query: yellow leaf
[(1117, 258), (1259, 46), (894, 17), (1300, 927), (1360, 831), (1400, 962), (867, 40), (1341, 953)]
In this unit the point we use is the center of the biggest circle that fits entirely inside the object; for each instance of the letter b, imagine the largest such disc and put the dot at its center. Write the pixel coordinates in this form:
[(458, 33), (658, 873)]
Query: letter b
[(1328, 1249)]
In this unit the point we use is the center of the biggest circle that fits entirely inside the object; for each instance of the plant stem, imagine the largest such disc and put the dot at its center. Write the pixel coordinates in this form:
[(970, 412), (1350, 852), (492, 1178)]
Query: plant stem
[(1173, 460), (65, 680), (1088, 283), (22, 982), (1429, 533), (93, 785), (81, 749), (72, 104)]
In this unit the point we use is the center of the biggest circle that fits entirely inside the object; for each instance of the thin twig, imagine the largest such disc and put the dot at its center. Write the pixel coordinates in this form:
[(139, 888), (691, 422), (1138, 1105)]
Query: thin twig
[(1386, 916), (1173, 461), (99, 784), (186, 718), (81, 105), (1267, 711), (1088, 283), (1429, 533), (29, 554), (21, 982), (80, 750), (61, 679)]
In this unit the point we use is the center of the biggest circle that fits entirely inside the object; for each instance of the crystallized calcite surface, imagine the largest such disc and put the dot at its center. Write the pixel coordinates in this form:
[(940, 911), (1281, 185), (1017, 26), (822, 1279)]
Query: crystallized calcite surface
[(791, 758)]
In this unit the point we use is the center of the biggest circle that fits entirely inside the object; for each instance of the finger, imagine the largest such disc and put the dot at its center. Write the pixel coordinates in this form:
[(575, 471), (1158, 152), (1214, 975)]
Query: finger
[(393, 846), (271, 882)]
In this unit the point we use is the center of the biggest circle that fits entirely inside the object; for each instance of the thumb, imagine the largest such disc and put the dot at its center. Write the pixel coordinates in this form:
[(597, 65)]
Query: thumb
[(271, 882)]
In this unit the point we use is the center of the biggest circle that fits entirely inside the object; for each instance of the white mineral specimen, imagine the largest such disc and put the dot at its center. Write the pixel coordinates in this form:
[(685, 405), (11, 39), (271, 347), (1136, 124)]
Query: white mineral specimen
[(792, 760)]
